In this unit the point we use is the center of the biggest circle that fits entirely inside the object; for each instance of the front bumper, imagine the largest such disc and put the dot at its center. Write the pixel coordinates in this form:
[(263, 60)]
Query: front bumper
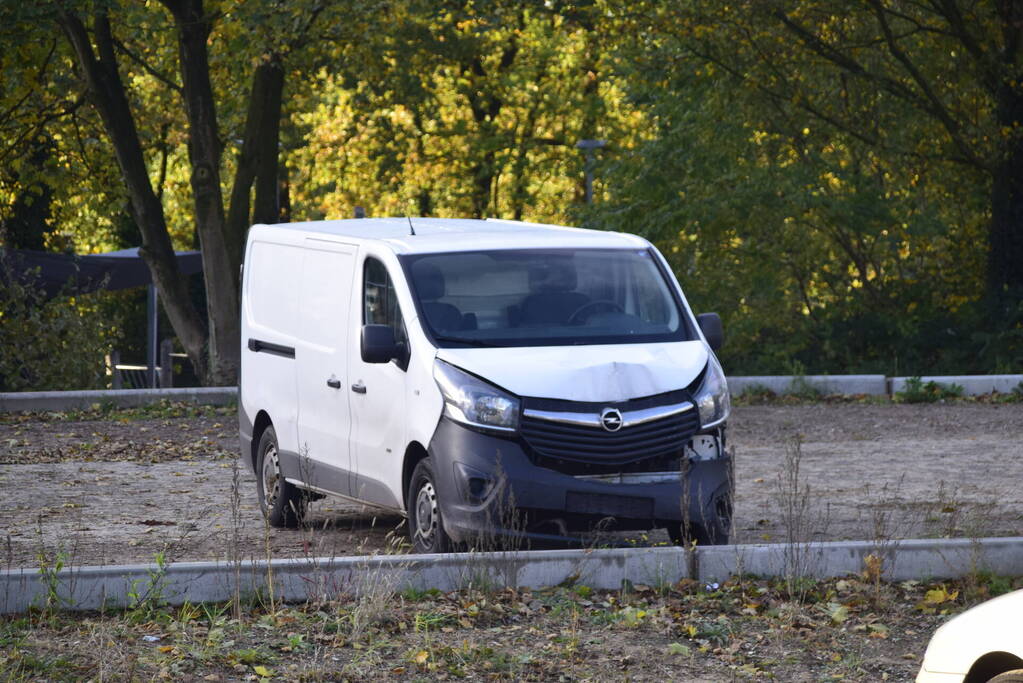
[(488, 486)]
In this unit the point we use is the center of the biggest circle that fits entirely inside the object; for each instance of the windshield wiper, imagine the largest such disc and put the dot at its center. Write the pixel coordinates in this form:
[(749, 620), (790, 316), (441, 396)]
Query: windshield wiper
[(464, 340)]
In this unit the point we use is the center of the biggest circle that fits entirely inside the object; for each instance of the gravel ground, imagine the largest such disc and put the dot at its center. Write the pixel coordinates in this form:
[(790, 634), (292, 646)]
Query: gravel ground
[(123, 488)]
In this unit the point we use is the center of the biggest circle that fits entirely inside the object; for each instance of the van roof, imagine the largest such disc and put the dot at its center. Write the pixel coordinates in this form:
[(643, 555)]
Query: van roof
[(461, 234)]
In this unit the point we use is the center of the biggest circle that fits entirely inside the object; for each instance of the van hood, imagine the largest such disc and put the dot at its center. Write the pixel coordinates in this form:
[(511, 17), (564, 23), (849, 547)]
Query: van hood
[(612, 373)]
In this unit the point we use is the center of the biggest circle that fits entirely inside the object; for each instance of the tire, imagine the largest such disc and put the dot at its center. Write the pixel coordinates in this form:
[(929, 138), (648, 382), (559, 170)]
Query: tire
[(425, 526), (1015, 676), (283, 504)]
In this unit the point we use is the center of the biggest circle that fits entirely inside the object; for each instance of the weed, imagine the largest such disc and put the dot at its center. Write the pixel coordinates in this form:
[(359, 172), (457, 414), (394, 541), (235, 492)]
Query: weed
[(801, 520), (800, 387), (756, 393), (145, 597), (49, 571), (418, 595), (918, 391)]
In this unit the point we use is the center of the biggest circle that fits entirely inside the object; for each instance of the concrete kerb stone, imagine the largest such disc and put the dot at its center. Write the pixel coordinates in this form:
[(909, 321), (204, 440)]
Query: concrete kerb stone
[(298, 580), (873, 385), (916, 559), (12, 402)]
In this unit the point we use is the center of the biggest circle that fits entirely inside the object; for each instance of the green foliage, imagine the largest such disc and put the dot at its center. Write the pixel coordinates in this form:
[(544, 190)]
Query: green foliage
[(825, 219), (52, 344), (832, 205), (918, 391)]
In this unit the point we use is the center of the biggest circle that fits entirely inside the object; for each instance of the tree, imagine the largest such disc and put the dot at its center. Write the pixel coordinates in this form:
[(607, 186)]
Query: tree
[(465, 109), (108, 40), (834, 224), (956, 68)]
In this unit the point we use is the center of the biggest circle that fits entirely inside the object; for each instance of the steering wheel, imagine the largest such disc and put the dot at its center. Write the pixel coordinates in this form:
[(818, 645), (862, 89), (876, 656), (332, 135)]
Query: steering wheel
[(578, 316)]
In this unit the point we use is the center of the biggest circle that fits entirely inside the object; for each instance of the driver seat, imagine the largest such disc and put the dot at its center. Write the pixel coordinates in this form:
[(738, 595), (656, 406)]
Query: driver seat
[(553, 299)]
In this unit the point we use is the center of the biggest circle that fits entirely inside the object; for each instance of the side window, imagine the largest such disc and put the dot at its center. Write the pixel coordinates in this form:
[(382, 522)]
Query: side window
[(379, 300)]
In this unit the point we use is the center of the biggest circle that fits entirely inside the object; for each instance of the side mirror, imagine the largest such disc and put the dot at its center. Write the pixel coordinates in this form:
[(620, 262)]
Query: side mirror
[(378, 345), (710, 325)]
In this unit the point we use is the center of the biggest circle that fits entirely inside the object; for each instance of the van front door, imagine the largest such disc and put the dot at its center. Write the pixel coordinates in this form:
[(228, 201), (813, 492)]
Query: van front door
[(324, 419), (378, 397)]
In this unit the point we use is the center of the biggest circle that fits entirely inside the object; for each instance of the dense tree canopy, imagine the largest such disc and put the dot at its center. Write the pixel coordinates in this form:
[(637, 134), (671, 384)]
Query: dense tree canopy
[(841, 179)]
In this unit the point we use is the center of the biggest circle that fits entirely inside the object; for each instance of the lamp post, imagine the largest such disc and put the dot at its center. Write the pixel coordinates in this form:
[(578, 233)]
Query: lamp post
[(589, 148)]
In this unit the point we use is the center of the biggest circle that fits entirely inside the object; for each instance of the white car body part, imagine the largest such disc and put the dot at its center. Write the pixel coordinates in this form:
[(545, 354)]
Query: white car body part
[(978, 645)]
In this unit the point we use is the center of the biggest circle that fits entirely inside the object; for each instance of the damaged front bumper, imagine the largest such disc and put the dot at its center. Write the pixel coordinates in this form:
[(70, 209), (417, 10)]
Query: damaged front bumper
[(490, 486)]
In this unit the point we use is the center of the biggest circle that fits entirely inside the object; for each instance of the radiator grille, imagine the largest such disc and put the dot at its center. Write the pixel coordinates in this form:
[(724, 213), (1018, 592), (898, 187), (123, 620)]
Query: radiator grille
[(566, 447)]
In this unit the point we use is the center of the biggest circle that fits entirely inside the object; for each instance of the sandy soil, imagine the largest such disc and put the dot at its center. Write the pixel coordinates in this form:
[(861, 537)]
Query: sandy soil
[(122, 490)]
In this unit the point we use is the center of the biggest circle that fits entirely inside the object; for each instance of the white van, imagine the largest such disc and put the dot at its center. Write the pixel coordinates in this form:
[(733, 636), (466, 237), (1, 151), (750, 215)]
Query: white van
[(481, 377)]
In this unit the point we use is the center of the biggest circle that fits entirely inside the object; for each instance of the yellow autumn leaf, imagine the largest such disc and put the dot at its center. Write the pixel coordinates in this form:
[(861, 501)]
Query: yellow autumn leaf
[(421, 657), (261, 671), (936, 596)]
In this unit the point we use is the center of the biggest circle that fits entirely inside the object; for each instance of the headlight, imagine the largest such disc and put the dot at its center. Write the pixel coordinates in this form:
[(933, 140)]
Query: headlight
[(473, 402), (712, 396)]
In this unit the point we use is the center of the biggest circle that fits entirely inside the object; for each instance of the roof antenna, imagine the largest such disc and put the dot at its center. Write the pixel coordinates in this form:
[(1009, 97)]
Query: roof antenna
[(411, 230)]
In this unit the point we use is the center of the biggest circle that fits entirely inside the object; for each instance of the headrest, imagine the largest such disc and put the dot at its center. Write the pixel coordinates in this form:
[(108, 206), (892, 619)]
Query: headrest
[(553, 276), (429, 281)]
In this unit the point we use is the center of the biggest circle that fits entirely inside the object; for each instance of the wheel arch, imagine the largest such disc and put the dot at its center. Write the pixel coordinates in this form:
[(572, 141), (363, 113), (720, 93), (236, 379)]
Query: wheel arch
[(992, 664), (414, 453), (259, 426)]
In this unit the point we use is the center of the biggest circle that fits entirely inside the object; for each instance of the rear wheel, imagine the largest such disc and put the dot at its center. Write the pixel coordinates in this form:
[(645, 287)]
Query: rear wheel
[(1015, 676), (283, 504), (425, 526)]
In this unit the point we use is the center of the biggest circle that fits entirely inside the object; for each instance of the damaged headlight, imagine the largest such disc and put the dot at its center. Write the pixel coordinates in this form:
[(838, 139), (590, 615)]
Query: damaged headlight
[(473, 402), (712, 397)]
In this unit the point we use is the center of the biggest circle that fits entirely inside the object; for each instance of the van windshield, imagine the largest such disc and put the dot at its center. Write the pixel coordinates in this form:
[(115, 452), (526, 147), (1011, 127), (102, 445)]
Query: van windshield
[(546, 297)]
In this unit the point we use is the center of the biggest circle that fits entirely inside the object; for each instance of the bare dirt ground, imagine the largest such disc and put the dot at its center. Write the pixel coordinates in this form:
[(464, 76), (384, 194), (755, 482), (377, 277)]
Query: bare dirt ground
[(123, 487)]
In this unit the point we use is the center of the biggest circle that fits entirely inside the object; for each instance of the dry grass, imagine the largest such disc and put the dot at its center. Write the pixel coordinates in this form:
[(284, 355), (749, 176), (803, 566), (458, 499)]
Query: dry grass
[(748, 630)]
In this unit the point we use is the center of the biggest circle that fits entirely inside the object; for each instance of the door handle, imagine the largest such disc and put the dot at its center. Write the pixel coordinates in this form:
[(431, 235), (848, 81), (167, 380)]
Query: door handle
[(334, 383), (359, 388)]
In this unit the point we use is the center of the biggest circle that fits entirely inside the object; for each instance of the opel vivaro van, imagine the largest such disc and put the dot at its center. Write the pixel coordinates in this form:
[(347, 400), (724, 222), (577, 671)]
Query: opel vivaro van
[(481, 377)]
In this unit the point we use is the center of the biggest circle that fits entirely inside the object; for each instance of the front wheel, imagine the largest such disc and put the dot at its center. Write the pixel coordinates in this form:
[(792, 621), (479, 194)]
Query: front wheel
[(1015, 676), (425, 527), (283, 504)]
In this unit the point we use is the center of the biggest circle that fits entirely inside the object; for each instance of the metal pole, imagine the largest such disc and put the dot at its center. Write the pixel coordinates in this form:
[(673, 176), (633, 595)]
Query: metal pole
[(151, 332)]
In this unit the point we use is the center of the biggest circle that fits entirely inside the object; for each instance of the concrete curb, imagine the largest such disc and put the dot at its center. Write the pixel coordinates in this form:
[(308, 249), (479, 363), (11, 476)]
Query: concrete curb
[(874, 385), (13, 402), (902, 559), (296, 580)]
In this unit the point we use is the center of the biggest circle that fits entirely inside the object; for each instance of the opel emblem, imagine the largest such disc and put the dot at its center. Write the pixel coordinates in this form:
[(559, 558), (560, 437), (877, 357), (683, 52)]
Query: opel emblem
[(611, 419)]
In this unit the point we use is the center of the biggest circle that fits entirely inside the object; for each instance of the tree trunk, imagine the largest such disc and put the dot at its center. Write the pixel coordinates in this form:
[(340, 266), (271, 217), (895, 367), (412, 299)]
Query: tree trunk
[(482, 183), (1005, 258), (111, 101), (258, 158), (204, 153), (266, 207)]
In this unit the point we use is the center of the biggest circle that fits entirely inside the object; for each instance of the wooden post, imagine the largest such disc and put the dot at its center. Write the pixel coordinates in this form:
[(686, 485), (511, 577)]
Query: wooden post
[(115, 360), (166, 364)]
